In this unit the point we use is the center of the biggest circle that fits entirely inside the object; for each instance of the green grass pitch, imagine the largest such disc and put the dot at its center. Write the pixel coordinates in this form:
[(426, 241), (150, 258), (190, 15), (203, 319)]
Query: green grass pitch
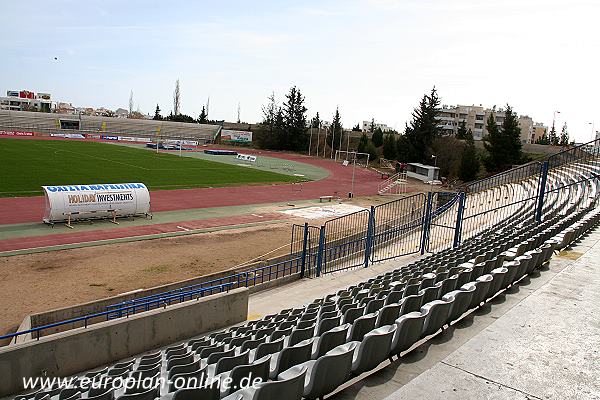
[(26, 165)]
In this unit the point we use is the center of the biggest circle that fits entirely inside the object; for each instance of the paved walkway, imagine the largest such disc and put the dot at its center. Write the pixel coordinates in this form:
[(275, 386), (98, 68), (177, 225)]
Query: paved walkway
[(539, 341)]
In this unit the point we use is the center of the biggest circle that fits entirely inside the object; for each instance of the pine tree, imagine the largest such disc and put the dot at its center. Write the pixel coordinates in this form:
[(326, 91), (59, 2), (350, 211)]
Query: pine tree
[(362, 143), (294, 115), (494, 144), (377, 137), (203, 118), (469, 164), (372, 126), (511, 132), (462, 131), (553, 137), (335, 130), (316, 121), (421, 131), (389, 147), (564, 136), (157, 116)]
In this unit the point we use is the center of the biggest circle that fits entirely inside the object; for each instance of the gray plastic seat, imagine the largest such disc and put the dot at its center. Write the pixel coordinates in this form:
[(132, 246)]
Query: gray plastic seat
[(106, 394), (195, 378), (257, 370), (299, 335), (394, 297), (411, 303), (69, 393), (181, 360), (373, 350), (228, 363), (482, 287), (329, 340), (327, 324), (207, 351), (271, 347), (352, 314), (149, 394), (462, 301), (387, 315), (374, 305), (408, 331), (184, 368), (325, 374), (291, 388), (513, 268), (215, 357), (498, 275), (290, 356), (362, 326), (306, 323), (280, 333), (208, 392), (437, 315), (252, 344), (431, 293)]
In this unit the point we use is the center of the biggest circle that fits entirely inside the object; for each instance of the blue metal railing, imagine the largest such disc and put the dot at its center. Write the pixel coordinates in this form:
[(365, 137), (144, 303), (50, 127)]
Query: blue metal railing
[(248, 278)]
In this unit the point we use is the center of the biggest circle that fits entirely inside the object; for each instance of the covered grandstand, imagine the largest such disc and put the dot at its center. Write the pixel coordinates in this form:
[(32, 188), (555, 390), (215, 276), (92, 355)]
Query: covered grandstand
[(111, 128)]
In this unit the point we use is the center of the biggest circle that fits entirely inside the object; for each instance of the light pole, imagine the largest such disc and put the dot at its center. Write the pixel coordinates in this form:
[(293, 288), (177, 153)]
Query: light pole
[(592, 124), (332, 140), (434, 167), (553, 131), (310, 140)]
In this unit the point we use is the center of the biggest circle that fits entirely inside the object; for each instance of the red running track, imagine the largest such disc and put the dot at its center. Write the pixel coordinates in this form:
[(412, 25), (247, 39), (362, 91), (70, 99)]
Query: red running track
[(339, 182), (133, 231)]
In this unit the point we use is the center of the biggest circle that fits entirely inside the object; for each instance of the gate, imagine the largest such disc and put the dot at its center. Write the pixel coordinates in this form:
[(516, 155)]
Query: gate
[(305, 244), (397, 228), (443, 218), (344, 242)]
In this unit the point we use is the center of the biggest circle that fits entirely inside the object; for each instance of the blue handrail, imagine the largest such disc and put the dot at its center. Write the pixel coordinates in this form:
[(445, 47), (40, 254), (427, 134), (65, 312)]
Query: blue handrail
[(122, 309)]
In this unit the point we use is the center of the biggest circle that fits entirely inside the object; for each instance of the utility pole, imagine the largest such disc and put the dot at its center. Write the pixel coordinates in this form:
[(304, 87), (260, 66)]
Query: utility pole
[(238, 120), (310, 139)]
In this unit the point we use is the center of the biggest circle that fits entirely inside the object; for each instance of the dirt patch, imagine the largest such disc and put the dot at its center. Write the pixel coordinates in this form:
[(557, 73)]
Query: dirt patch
[(44, 281)]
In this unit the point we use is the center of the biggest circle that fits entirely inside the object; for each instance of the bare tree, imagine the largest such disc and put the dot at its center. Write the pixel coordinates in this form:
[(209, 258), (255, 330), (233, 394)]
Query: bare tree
[(176, 98), (130, 102)]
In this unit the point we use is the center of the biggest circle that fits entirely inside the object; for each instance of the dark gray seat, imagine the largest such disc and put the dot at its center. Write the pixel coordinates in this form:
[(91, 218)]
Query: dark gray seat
[(184, 368), (327, 324), (411, 303), (291, 388), (374, 305), (408, 331), (326, 373), (290, 356), (181, 360), (228, 363), (462, 301), (208, 392), (271, 347), (437, 315), (387, 315), (195, 378), (373, 350), (239, 374), (352, 313), (299, 335), (362, 326), (330, 339)]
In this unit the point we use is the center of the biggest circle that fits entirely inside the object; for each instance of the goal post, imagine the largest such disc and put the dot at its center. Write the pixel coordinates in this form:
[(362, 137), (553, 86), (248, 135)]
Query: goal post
[(349, 157)]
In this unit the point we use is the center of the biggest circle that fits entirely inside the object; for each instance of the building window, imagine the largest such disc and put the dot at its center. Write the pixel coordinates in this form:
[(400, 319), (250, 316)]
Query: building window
[(479, 117)]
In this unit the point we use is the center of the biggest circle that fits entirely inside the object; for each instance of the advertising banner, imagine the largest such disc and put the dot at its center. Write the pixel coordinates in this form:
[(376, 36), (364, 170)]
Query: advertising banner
[(246, 157), (236, 136), (16, 133)]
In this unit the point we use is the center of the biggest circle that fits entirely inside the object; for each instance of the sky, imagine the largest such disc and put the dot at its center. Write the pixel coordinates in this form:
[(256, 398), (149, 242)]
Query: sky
[(370, 58)]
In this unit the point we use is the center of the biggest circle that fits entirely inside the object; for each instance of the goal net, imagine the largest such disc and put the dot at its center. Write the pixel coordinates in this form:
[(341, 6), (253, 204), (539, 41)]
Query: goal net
[(347, 158)]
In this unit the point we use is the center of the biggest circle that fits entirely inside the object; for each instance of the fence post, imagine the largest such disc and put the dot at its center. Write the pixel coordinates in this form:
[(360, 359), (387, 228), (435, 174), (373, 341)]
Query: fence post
[(459, 218), (370, 233), (304, 243), (426, 219), (320, 251), (542, 192)]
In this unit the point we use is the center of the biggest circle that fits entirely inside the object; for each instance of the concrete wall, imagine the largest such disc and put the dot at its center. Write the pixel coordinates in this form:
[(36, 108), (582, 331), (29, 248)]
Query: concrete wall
[(81, 349)]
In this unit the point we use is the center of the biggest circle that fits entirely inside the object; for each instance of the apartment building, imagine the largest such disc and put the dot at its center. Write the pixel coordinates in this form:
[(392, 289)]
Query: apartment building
[(366, 126), (25, 100), (475, 117)]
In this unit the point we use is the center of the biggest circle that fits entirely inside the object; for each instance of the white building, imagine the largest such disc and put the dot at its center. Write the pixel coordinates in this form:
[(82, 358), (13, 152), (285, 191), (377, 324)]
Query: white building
[(24, 100), (366, 126)]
